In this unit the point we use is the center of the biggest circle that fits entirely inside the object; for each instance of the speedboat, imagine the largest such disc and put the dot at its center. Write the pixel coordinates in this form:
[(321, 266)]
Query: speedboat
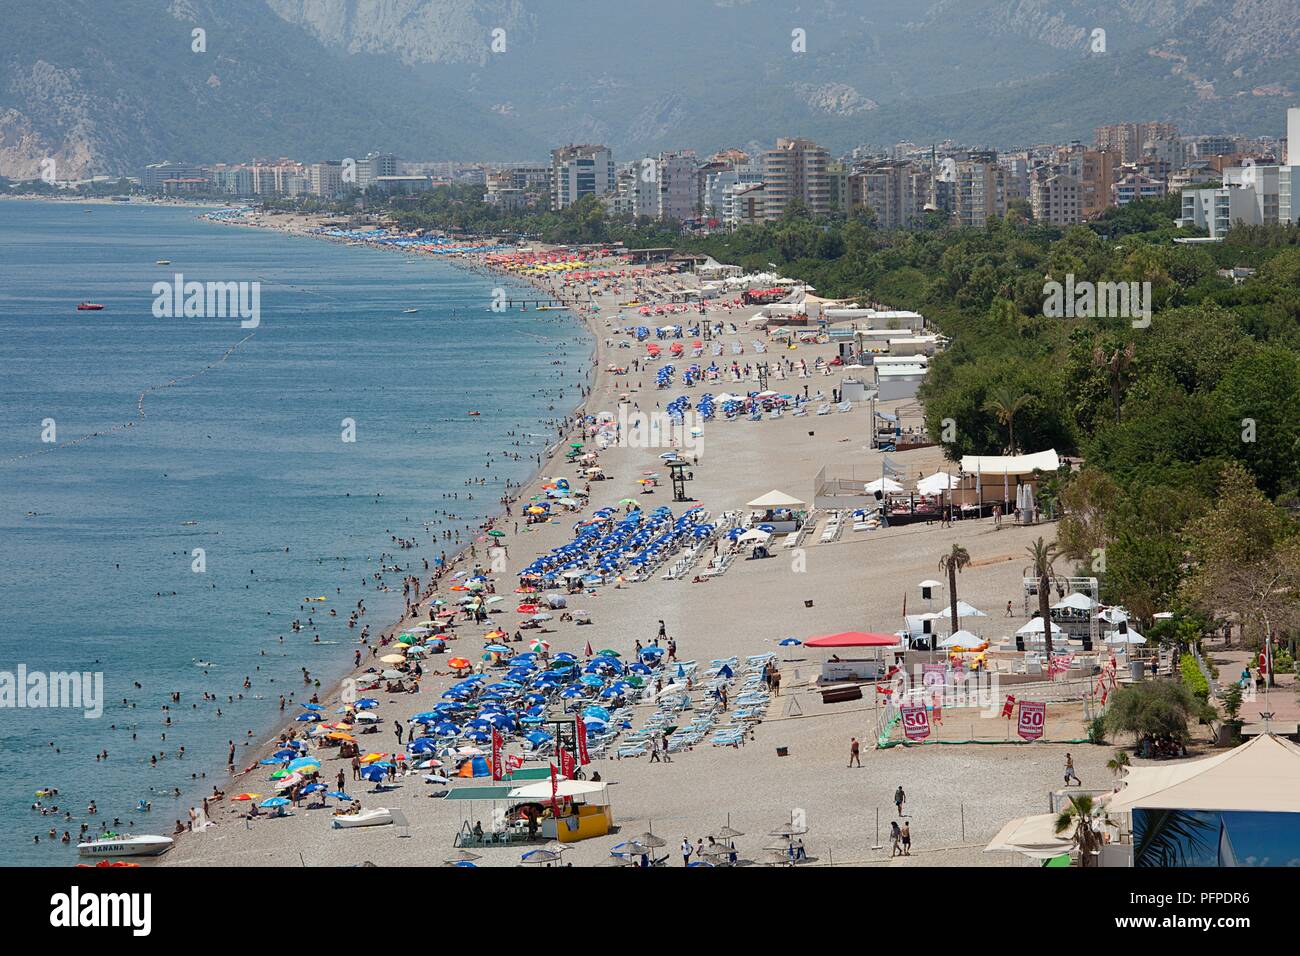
[(89, 307), (368, 818), (163, 262), (409, 311), (124, 844)]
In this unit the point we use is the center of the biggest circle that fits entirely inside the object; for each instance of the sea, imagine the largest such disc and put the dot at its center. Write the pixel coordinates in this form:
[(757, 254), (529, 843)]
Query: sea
[(173, 490)]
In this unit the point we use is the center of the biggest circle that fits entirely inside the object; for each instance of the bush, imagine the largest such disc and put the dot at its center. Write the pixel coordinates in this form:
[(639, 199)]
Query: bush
[(1097, 730), (1159, 708), (1193, 679)]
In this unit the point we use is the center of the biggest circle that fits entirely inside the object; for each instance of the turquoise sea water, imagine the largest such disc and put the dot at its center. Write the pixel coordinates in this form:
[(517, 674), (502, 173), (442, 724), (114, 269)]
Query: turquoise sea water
[(244, 460)]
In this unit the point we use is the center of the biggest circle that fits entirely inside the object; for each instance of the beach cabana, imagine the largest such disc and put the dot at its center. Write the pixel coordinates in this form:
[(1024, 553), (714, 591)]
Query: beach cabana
[(783, 512)]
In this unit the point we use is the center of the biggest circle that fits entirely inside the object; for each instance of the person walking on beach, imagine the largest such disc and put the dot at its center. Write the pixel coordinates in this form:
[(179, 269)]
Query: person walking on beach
[(686, 851), (895, 835), (854, 752), (356, 767), (899, 799), (1009, 614), (397, 729), (905, 835), (663, 631), (1069, 772)]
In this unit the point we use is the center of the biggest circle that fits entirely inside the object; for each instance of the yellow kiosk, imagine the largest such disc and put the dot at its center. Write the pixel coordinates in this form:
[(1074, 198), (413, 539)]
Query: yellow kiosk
[(584, 808)]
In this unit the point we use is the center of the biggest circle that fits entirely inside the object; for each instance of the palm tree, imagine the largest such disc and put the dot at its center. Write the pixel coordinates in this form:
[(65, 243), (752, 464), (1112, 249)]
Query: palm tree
[(1005, 404), (1118, 763), (1086, 837), (1174, 838), (1116, 366), (1042, 556), (953, 562)]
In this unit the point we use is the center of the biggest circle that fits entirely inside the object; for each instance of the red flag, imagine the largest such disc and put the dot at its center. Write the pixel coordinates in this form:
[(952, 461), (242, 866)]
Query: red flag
[(555, 791), (567, 763), (580, 726), (497, 768), (513, 762)]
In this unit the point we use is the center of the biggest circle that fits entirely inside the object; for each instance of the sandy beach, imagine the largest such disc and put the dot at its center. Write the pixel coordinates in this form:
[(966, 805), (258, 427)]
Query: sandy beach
[(958, 795)]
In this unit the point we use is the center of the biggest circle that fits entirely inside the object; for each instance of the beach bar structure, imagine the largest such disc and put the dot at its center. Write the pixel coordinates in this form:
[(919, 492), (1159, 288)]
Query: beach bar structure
[(988, 480), (584, 809), (854, 663)]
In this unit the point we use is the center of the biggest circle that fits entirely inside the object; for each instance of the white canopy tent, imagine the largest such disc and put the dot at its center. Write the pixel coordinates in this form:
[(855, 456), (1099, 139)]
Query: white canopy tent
[(754, 536), (584, 791), (776, 499), (1262, 775), (1075, 602)]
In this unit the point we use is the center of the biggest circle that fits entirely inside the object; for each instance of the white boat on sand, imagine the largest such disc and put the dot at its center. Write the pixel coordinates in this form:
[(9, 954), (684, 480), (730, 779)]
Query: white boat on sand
[(125, 844), (368, 818)]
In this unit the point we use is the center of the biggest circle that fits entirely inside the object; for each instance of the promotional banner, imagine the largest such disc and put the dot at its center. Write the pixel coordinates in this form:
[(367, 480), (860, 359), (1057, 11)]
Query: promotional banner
[(1033, 719), (498, 770), (1007, 706), (916, 721), (567, 764), (933, 675), (555, 791)]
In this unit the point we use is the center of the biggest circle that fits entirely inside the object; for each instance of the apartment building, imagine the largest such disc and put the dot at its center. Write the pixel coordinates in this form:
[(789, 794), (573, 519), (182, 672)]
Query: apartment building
[(979, 192), (579, 171), (796, 170), (325, 179), (1056, 198), (677, 193), (897, 192), (1133, 184)]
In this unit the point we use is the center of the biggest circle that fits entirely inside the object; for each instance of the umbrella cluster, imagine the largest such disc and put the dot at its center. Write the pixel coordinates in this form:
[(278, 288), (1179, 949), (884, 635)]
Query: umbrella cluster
[(606, 544)]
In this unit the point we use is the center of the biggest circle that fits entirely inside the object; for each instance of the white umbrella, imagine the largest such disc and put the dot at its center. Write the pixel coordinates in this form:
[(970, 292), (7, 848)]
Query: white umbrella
[(962, 639), (939, 481), (883, 485), (1035, 626), (754, 534), (1132, 637), (963, 610)]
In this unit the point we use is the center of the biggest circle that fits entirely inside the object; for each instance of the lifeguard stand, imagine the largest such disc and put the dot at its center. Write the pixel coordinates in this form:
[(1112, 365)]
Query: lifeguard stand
[(677, 471)]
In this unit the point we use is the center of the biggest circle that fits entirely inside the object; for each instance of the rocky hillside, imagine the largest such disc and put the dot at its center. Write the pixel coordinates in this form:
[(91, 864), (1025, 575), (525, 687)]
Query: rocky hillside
[(106, 87)]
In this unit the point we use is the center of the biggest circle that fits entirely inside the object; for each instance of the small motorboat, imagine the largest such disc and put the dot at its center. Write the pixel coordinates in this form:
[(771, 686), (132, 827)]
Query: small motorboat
[(163, 262), (474, 414), (368, 818), (89, 307), (124, 844), (409, 311)]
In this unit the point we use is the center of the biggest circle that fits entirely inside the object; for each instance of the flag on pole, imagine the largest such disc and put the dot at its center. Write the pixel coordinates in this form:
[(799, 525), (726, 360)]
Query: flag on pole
[(580, 730), (513, 762), (567, 763), (888, 469), (498, 771), (555, 791)]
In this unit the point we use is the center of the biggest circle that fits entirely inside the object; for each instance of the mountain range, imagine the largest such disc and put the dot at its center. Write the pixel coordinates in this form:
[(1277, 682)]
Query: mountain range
[(105, 86)]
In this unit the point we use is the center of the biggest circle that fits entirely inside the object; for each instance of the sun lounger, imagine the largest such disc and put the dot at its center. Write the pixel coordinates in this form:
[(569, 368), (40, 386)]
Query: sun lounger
[(845, 406), (824, 408)]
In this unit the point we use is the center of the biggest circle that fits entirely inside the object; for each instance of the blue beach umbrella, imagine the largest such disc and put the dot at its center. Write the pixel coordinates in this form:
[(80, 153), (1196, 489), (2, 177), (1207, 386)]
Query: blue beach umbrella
[(274, 802)]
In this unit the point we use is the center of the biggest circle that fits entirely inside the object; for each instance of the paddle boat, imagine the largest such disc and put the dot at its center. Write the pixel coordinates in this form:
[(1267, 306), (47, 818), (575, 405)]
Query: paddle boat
[(124, 844)]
